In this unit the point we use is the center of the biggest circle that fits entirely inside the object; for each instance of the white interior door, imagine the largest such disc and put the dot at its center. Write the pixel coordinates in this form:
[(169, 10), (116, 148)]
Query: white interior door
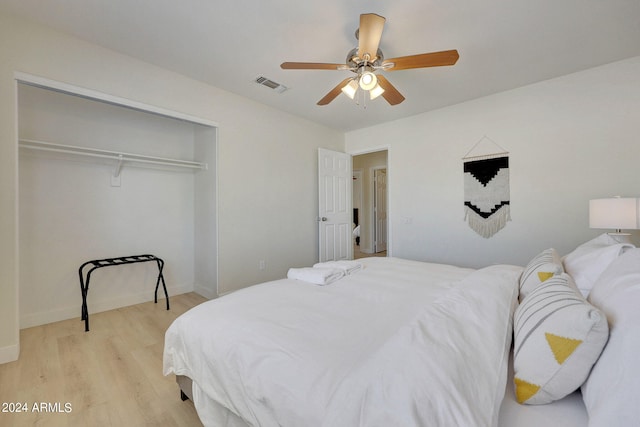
[(335, 205), (380, 209)]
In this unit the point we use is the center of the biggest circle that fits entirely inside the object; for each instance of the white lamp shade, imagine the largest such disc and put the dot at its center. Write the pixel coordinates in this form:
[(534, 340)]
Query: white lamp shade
[(619, 213), (350, 89), (368, 80), (376, 92)]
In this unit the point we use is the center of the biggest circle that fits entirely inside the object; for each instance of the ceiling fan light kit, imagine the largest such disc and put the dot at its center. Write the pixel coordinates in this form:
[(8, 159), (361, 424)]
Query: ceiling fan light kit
[(368, 83), (363, 62)]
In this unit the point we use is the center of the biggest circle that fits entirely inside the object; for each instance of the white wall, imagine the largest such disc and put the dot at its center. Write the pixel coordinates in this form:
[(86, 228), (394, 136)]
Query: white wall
[(206, 219), (570, 139), (267, 159)]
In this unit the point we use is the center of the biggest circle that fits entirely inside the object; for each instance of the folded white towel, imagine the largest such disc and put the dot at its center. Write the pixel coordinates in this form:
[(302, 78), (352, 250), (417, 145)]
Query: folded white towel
[(318, 276), (349, 267)]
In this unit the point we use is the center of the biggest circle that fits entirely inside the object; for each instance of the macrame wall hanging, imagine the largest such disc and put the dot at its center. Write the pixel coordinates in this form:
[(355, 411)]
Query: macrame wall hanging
[(486, 187)]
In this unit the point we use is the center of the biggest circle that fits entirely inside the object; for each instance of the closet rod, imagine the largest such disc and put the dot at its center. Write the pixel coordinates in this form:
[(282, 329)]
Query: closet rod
[(105, 154)]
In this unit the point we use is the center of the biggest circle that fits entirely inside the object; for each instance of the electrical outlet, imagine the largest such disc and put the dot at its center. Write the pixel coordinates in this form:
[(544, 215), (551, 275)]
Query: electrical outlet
[(262, 265)]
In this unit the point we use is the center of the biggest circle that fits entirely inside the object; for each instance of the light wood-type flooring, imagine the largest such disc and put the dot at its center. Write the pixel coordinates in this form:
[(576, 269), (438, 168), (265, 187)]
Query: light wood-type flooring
[(109, 376), (357, 254)]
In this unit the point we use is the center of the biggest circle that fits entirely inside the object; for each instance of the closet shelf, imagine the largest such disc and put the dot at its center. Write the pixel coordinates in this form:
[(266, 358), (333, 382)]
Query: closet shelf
[(120, 157)]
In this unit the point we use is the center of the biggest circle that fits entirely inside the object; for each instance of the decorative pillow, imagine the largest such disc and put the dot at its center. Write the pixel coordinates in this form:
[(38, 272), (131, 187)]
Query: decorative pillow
[(558, 336), (587, 262), (543, 266), (612, 389)]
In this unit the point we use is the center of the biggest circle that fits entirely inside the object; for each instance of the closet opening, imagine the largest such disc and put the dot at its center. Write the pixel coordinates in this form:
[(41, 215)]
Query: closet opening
[(105, 177)]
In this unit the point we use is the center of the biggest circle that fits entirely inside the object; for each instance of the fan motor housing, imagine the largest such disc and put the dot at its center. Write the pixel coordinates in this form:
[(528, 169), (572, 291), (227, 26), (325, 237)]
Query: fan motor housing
[(354, 61)]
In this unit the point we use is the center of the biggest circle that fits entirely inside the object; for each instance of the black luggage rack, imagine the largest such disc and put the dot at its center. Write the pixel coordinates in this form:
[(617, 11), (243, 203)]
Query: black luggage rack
[(99, 263)]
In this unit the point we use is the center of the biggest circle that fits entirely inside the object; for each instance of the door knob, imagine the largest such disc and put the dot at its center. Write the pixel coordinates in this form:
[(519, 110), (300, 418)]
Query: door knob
[(324, 218)]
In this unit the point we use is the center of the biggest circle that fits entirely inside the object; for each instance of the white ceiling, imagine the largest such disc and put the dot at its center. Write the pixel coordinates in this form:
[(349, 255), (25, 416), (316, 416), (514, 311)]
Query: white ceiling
[(503, 44)]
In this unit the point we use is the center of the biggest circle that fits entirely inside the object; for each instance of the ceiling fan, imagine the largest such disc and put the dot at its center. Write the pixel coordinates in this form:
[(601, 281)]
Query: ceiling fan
[(367, 58)]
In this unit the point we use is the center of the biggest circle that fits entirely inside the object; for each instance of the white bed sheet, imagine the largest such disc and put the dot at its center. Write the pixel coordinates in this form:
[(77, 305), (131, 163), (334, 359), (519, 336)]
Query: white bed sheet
[(331, 352), (567, 412)]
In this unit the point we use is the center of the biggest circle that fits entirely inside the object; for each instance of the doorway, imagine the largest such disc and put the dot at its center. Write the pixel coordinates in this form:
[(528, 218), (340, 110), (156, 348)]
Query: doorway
[(380, 210), (370, 204)]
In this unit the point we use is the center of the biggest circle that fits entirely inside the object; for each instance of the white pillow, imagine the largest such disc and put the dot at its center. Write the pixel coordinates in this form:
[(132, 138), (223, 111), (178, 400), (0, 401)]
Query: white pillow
[(612, 392), (587, 262), (543, 266), (558, 336)]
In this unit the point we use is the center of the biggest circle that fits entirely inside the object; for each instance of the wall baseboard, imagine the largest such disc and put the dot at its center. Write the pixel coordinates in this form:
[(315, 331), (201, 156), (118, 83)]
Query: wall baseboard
[(9, 353), (42, 318), (205, 292)]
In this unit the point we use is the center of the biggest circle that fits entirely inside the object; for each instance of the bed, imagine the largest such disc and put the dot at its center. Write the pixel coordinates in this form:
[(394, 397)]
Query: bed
[(393, 342)]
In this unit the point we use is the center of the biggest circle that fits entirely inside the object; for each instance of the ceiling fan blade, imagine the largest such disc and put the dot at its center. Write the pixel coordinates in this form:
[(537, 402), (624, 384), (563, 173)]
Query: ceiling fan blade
[(369, 34), (390, 93), (310, 66), (423, 60), (334, 92)]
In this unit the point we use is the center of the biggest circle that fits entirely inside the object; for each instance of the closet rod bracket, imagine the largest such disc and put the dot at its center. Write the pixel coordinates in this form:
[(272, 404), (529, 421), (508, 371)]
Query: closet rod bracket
[(116, 172)]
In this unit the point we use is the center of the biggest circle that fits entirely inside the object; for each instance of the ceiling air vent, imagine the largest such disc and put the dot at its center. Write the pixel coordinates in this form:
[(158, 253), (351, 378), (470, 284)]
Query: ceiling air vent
[(261, 80)]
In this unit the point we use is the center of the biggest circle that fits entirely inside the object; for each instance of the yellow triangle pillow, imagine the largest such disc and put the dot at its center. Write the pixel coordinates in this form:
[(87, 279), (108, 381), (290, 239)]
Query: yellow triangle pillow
[(558, 336), (541, 268)]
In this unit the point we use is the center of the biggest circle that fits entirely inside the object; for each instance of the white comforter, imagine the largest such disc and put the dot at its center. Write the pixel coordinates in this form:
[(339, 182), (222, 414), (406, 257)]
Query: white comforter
[(400, 343)]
